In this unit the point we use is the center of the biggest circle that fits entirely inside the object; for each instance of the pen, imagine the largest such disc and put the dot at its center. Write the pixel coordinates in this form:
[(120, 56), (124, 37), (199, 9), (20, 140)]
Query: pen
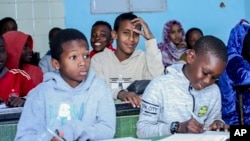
[(54, 134), (195, 117)]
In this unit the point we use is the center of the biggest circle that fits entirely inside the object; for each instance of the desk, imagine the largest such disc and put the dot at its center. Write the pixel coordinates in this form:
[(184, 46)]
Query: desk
[(125, 127)]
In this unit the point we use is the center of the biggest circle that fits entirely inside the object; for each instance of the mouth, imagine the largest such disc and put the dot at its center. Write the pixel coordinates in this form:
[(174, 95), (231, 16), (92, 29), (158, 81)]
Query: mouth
[(83, 73), (97, 44)]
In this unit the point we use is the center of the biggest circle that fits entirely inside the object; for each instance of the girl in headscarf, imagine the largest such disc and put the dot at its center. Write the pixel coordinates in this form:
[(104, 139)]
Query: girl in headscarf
[(173, 45)]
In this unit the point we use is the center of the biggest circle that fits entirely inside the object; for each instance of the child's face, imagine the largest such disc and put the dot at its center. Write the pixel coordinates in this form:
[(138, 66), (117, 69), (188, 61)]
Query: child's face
[(203, 70), (26, 53), (194, 36), (3, 55), (100, 38), (74, 63), (126, 38), (175, 34)]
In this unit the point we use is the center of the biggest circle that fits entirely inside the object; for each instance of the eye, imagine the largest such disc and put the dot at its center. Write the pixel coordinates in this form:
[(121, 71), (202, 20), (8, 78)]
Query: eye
[(126, 32), (205, 73), (72, 57), (103, 35), (86, 56)]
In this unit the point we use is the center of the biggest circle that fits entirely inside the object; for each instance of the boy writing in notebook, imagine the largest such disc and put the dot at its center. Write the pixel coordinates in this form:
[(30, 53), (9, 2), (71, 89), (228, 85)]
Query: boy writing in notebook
[(127, 64), (73, 102), (186, 99)]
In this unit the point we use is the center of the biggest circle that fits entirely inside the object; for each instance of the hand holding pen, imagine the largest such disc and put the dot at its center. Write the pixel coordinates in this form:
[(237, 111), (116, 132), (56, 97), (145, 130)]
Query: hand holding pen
[(57, 135), (191, 126)]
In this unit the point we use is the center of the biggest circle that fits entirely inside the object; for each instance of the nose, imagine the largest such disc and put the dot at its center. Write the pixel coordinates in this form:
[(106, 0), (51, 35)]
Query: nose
[(131, 36), (207, 80)]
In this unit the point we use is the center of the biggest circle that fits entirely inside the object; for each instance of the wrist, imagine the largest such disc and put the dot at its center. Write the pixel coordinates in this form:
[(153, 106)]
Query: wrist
[(174, 127)]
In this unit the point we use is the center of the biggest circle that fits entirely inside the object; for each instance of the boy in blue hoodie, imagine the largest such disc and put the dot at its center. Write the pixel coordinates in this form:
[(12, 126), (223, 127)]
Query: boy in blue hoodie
[(73, 102)]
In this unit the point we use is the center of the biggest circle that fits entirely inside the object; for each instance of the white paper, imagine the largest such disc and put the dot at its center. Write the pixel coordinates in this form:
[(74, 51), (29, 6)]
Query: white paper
[(206, 136), (126, 139)]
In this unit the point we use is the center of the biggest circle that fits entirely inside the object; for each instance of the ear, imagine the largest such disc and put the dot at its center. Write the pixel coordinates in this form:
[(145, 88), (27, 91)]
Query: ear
[(190, 56), (114, 34), (55, 64)]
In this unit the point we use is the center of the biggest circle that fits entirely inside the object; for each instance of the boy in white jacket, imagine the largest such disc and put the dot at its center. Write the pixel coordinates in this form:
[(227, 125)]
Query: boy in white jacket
[(186, 99)]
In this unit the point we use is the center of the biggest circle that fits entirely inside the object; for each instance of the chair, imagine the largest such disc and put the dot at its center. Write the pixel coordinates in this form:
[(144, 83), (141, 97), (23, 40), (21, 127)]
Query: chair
[(240, 89)]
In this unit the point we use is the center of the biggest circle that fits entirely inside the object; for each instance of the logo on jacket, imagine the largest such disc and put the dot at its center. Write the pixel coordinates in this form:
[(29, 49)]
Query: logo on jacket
[(202, 111)]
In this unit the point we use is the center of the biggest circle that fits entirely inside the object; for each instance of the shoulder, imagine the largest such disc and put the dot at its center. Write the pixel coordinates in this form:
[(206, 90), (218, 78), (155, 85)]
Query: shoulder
[(105, 55), (20, 72)]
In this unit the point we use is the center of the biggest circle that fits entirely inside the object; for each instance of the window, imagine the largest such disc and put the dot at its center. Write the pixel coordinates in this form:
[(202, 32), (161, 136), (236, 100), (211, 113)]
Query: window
[(118, 6)]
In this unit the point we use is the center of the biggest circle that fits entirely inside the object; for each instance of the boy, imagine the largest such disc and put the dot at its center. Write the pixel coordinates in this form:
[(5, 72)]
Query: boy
[(7, 24), (19, 47), (127, 64), (186, 99), (101, 37), (72, 101), (14, 84), (45, 62)]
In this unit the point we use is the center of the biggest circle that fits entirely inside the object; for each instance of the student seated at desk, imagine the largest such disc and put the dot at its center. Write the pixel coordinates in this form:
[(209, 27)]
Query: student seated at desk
[(127, 64), (186, 99), (14, 84), (74, 101)]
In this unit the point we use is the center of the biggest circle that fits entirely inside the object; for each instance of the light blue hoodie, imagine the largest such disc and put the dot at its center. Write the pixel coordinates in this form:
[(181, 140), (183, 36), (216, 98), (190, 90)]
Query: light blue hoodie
[(84, 112)]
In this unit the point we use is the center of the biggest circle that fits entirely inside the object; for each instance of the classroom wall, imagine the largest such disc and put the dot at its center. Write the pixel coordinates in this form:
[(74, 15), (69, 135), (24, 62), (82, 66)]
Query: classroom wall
[(207, 15)]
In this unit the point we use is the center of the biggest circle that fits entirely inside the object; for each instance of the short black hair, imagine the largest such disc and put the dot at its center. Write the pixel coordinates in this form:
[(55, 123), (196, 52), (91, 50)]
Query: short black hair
[(63, 36), (211, 45), (188, 33), (51, 32), (122, 17), (102, 23), (5, 20)]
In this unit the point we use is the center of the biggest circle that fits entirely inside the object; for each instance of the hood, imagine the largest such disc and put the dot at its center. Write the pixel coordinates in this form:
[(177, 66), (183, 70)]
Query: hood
[(55, 79), (236, 38), (15, 41)]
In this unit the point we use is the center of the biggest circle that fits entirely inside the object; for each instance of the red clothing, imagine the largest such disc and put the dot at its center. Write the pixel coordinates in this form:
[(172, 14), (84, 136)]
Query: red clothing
[(15, 41), (92, 53), (15, 81)]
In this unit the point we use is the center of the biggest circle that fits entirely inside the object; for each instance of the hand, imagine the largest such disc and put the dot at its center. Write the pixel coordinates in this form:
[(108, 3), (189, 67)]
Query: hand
[(182, 44), (218, 125), (191, 126), (15, 101), (130, 97), (60, 134), (145, 32)]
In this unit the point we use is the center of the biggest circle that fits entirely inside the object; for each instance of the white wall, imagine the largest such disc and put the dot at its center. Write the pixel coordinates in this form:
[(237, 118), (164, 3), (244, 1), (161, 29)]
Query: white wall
[(35, 17)]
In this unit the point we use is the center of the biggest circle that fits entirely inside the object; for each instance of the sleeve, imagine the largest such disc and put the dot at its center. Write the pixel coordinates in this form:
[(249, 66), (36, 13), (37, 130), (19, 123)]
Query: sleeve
[(238, 70), (34, 128), (215, 113), (154, 63), (149, 124), (106, 118)]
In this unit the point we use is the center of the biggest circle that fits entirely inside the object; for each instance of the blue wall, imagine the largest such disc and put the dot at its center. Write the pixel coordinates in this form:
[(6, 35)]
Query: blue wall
[(206, 15)]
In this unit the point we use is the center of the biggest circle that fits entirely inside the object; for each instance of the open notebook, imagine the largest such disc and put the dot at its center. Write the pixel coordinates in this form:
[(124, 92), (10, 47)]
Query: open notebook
[(206, 136)]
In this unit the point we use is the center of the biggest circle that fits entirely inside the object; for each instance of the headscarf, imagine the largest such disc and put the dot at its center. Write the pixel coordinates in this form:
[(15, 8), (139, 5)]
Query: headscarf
[(170, 53)]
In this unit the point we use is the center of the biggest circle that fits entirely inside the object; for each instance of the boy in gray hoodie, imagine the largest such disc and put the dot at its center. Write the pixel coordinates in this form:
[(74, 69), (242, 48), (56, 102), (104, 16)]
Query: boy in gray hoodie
[(73, 102)]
